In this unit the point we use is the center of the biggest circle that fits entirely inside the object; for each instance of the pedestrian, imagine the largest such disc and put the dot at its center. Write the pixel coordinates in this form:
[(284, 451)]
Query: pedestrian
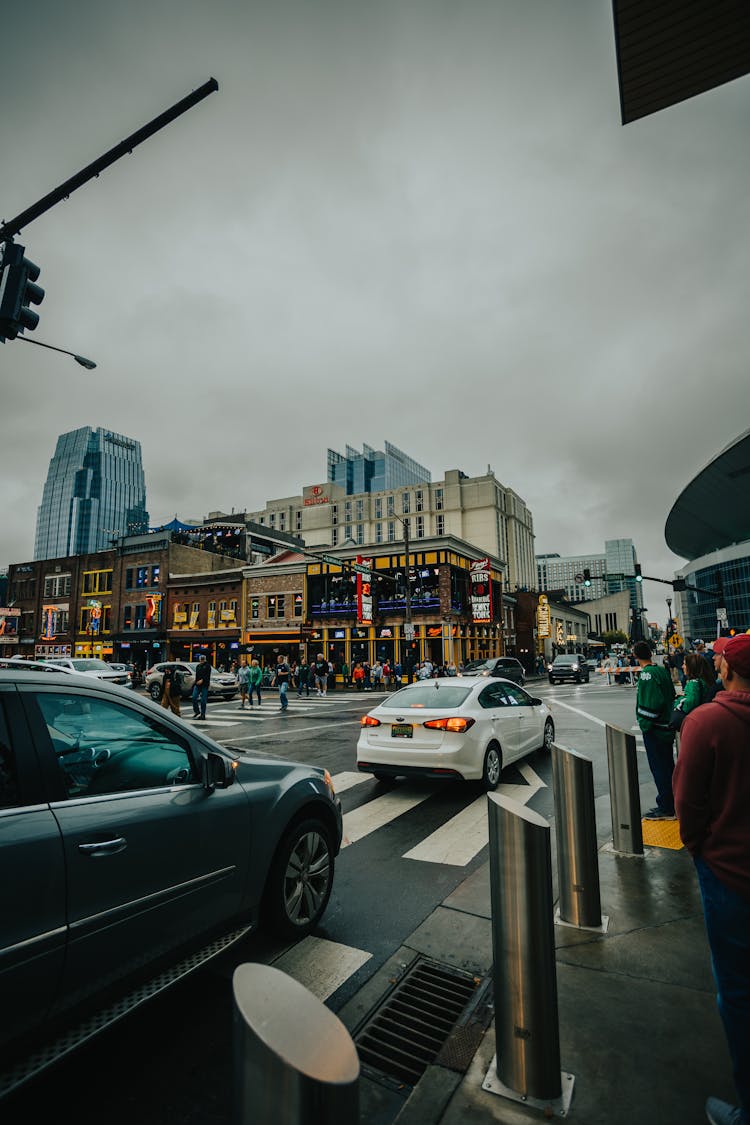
[(397, 674), (386, 675), (254, 680), (303, 678), (242, 674), (321, 674), (281, 681), (654, 706), (452, 670), (200, 687), (700, 687), (718, 650), (377, 676), (170, 691), (359, 676), (367, 681), (345, 673), (712, 796)]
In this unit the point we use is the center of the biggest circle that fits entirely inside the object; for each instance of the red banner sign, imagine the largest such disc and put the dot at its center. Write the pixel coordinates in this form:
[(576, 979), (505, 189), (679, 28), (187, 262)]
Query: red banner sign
[(364, 592)]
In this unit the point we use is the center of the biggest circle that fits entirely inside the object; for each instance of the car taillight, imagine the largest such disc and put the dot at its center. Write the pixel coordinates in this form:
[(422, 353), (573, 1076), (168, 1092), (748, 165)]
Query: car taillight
[(151, 669), (456, 724), (369, 721)]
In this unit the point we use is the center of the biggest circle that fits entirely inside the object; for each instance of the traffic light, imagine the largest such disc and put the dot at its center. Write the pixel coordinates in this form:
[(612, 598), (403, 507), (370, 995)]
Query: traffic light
[(586, 576), (638, 575), (679, 584), (18, 292)]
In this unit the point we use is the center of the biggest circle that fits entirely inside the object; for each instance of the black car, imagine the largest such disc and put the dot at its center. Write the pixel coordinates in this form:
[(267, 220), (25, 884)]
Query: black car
[(134, 848), (569, 666), (506, 667)]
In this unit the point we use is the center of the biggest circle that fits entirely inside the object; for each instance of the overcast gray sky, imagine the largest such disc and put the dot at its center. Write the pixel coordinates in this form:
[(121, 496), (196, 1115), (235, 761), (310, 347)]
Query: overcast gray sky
[(402, 220)]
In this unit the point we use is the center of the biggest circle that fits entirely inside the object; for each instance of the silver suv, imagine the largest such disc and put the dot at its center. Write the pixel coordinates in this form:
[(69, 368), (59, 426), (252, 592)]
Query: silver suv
[(223, 684)]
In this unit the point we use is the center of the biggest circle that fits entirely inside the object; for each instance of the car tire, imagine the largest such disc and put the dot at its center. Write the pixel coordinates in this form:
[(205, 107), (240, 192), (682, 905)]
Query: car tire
[(381, 776), (549, 736), (492, 768), (299, 880), (155, 691)]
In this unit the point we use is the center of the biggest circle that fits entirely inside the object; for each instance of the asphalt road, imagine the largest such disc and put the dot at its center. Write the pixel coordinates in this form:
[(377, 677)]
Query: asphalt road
[(171, 1062)]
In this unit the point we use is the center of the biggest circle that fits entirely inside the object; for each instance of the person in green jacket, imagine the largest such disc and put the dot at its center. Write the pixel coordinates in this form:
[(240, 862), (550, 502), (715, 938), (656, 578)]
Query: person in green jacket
[(653, 708), (254, 680), (700, 685)]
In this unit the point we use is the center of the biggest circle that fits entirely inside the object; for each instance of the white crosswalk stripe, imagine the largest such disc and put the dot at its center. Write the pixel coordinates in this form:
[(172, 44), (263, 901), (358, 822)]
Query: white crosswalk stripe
[(347, 780), (321, 965), (375, 814)]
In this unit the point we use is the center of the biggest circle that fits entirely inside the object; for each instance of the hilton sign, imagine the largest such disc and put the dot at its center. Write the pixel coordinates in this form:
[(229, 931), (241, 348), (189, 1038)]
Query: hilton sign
[(315, 495)]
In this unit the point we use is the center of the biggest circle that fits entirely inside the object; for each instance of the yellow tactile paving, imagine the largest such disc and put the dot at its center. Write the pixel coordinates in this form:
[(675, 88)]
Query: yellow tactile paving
[(662, 834)]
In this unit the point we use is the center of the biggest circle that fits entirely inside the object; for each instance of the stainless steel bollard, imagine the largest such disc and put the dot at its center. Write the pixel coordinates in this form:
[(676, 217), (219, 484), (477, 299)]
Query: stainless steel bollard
[(624, 792), (575, 829), (527, 1064), (295, 1062)]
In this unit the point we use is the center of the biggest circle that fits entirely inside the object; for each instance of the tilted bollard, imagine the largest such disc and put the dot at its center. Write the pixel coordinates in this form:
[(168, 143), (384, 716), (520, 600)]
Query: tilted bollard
[(575, 829), (624, 792), (295, 1062), (526, 1067)]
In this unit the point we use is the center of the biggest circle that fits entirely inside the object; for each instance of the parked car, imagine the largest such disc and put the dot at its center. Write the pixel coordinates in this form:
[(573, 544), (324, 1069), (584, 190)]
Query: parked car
[(506, 666), (569, 666), (451, 728), (24, 665), (90, 666), (133, 849), (125, 669), (222, 684)]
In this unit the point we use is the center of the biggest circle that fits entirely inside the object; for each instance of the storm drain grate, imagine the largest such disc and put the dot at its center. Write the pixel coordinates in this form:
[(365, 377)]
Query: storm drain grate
[(409, 1029)]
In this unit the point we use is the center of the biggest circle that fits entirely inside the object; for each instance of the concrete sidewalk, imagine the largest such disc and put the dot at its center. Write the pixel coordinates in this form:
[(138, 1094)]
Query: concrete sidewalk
[(639, 1028)]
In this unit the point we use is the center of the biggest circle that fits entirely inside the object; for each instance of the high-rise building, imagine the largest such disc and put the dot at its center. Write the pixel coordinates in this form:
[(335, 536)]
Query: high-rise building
[(610, 573), (95, 490), (373, 470)]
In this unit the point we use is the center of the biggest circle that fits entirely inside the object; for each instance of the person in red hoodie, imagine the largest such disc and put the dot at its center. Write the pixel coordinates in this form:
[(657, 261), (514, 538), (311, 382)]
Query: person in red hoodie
[(711, 786)]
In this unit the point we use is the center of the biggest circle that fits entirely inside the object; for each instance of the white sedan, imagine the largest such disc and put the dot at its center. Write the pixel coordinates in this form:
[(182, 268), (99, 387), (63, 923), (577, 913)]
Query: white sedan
[(468, 729)]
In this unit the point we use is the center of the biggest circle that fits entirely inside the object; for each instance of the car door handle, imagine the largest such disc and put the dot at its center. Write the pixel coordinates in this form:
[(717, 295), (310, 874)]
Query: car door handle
[(104, 847)]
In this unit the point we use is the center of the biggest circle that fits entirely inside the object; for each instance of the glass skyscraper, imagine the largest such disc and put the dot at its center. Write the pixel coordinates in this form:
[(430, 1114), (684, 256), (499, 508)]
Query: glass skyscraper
[(95, 490), (373, 470)]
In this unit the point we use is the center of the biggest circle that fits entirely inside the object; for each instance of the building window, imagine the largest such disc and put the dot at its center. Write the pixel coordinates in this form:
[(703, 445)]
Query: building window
[(211, 622), (298, 605), (57, 586), (127, 617), (140, 617), (378, 533), (420, 527), (129, 578), (141, 577), (298, 520), (359, 506), (391, 530), (282, 521), (379, 508), (255, 608), (390, 505), (155, 575), (440, 525), (275, 606), (347, 510), (334, 537), (405, 501), (419, 500), (272, 519), (438, 499), (360, 534), (347, 531), (97, 581), (334, 514)]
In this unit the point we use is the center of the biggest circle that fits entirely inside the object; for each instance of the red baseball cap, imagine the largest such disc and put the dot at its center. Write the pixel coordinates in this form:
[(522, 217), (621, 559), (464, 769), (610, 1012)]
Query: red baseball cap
[(720, 644), (737, 655)]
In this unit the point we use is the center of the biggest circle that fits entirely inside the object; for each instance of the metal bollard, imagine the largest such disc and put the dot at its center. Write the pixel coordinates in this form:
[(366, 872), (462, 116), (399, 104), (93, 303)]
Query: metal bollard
[(575, 829), (295, 1062), (526, 1067), (625, 798)]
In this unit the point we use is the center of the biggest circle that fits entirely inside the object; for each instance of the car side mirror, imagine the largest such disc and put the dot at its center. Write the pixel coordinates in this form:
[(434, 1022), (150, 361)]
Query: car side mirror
[(218, 772), (535, 702)]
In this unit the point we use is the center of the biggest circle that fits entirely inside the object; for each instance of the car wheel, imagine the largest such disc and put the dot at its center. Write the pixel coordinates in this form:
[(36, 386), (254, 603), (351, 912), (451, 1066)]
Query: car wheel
[(155, 690), (549, 736), (492, 768), (299, 880)]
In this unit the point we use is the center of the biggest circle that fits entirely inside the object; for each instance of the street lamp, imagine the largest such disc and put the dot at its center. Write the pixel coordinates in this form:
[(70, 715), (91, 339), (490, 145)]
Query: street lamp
[(669, 620), (87, 363), (408, 629)]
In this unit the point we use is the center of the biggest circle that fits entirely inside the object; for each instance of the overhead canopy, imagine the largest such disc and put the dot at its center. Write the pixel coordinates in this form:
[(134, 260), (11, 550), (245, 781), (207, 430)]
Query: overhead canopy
[(714, 510), (671, 50), (175, 525)]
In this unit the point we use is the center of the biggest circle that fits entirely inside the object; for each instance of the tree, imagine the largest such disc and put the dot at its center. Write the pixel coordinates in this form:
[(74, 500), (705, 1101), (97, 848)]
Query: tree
[(614, 637)]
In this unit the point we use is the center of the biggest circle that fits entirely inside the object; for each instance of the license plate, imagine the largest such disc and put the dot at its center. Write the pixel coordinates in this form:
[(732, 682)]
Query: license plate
[(405, 730)]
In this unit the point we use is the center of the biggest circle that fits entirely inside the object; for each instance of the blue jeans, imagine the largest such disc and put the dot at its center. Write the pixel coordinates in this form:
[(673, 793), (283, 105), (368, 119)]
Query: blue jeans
[(283, 700), (660, 754), (727, 917), (200, 699), (253, 688)]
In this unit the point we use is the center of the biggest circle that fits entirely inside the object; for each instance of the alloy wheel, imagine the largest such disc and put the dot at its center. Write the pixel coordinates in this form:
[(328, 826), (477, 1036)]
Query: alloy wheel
[(307, 878)]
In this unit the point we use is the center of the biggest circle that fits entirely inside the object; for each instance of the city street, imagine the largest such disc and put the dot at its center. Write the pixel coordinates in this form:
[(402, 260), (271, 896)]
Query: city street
[(406, 847)]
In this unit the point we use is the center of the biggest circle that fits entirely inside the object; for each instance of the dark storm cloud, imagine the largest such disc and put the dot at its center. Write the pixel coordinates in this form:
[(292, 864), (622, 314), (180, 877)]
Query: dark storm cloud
[(410, 221)]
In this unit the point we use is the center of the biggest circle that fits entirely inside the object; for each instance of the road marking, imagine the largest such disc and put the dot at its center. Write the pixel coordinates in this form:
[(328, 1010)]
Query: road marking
[(368, 818), (593, 719), (211, 722), (344, 781), (288, 735), (321, 966), (458, 840)]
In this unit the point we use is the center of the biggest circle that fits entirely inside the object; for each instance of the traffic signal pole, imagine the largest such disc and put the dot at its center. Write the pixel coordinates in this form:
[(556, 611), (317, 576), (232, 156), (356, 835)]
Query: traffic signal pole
[(14, 226)]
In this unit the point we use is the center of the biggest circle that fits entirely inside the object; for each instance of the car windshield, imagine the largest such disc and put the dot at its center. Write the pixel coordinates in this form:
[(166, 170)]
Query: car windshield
[(427, 695), (568, 659), (475, 665), (90, 665)]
